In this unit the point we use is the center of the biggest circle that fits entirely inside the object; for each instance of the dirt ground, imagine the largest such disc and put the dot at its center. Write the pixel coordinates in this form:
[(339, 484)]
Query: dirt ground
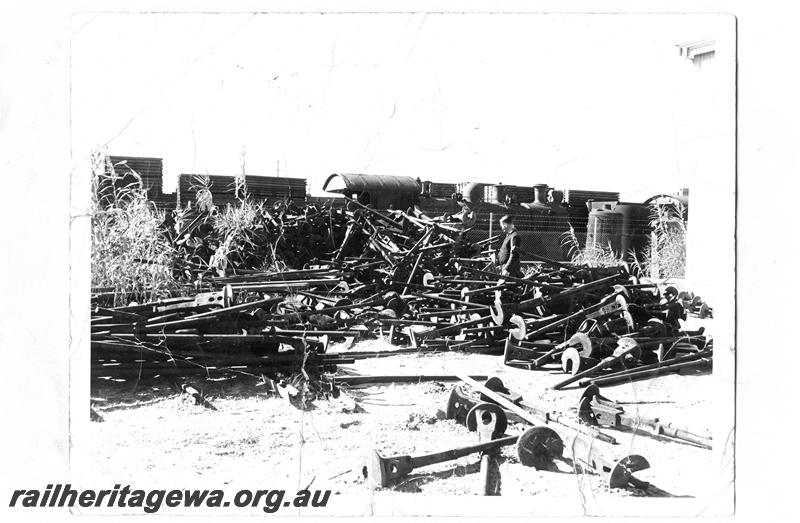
[(255, 439)]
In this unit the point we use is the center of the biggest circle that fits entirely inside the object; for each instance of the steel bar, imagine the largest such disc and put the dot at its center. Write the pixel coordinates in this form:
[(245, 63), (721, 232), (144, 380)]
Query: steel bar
[(374, 212), (420, 378), (652, 366), (602, 365), (566, 319), (449, 300), (200, 318), (637, 374)]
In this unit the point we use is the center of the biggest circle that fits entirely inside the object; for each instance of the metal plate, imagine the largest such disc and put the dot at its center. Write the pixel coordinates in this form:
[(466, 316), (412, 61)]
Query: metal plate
[(488, 414), (620, 474), (538, 446)]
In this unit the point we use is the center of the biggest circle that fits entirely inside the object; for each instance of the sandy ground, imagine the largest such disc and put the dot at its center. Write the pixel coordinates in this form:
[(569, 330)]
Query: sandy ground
[(254, 439)]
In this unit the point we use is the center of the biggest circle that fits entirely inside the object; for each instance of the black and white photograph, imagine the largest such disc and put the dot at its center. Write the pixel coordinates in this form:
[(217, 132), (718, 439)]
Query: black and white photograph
[(399, 256), (398, 264)]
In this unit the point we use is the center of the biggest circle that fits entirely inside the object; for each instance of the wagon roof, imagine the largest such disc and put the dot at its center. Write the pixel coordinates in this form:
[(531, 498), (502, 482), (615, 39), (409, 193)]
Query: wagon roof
[(370, 182)]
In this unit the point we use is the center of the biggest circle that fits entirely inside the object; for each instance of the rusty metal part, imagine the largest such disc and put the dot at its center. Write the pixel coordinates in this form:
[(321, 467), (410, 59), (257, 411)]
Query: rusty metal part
[(286, 285), (198, 319), (374, 212), (530, 354), (489, 421), (626, 347), (532, 280), (419, 378), (380, 471), (617, 470), (223, 298), (456, 327), (501, 285), (595, 409), (538, 446), (445, 299), (519, 328), (115, 315), (459, 403), (559, 349), (680, 359), (579, 314), (535, 416), (573, 363), (496, 385), (702, 363), (518, 356), (148, 306), (198, 396), (571, 292)]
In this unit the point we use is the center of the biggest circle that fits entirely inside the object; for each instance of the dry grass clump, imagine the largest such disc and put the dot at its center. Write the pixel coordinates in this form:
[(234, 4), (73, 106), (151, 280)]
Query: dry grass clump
[(234, 227), (130, 255), (139, 253), (201, 185), (665, 256), (589, 256)]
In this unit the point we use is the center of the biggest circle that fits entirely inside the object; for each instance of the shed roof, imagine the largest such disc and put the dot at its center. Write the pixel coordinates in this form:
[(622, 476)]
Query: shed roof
[(340, 183)]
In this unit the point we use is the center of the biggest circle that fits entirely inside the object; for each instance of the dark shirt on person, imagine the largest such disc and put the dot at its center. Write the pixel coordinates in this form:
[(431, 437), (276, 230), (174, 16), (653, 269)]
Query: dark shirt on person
[(505, 253)]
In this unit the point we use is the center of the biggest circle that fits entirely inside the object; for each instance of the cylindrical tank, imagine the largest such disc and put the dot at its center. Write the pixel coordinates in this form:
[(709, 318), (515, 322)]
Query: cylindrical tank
[(473, 192), (604, 229), (540, 193), (494, 194), (635, 227)]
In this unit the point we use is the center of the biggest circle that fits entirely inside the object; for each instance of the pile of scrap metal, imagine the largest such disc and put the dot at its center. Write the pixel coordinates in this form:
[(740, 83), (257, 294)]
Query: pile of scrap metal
[(402, 274), (241, 320), (202, 334), (632, 332)]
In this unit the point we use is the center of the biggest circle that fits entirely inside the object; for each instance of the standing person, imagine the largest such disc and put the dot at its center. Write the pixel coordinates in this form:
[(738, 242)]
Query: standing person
[(508, 254)]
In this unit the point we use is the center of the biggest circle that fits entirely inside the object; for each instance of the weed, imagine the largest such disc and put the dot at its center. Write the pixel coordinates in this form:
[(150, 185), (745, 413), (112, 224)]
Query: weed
[(130, 255), (665, 255), (589, 256), (201, 185)]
